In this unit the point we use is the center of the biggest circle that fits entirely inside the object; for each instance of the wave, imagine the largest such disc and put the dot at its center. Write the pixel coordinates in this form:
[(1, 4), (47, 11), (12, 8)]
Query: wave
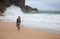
[(41, 21), (46, 11)]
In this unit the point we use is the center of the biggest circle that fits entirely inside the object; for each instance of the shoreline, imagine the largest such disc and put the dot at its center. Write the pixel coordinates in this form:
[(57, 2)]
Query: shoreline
[(9, 31), (48, 30), (40, 29)]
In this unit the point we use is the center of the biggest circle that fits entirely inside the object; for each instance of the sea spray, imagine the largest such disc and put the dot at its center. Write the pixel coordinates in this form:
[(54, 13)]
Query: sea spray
[(51, 22), (12, 13)]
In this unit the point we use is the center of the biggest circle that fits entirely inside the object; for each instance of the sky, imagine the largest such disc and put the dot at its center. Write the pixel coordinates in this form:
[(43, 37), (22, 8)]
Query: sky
[(44, 4)]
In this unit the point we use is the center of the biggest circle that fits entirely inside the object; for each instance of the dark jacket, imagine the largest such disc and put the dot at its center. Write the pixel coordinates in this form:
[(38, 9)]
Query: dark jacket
[(18, 21)]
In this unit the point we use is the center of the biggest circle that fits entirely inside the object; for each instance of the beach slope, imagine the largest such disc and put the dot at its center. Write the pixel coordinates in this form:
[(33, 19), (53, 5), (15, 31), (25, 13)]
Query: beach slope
[(9, 31)]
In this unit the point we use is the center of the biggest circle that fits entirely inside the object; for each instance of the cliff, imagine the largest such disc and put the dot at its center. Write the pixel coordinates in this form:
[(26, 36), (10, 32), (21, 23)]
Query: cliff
[(19, 3)]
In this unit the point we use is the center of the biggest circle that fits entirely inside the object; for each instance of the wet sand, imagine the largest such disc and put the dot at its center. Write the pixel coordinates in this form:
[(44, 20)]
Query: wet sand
[(9, 31)]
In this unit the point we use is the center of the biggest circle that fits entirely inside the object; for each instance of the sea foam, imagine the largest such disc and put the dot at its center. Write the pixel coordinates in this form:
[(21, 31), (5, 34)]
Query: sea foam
[(46, 22)]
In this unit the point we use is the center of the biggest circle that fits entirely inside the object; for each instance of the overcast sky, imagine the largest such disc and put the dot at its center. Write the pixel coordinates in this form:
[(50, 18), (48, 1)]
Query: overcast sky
[(44, 4)]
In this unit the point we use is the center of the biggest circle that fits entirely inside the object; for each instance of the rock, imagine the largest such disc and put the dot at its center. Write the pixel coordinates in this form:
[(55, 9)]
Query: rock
[(1, 14), (35, 9), (19, 3), (1, 1), (3, 5), (7, 3), (28, 9)]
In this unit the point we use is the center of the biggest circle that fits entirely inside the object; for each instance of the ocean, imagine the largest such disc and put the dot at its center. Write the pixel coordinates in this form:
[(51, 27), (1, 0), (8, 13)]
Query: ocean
[(40, 21), (44, 21)]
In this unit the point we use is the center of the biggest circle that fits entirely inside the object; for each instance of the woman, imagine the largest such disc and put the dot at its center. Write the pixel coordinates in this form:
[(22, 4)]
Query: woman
[(18, 22)]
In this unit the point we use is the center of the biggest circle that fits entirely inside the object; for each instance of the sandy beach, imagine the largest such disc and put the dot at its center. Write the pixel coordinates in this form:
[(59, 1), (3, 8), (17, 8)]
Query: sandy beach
[(9, 31)]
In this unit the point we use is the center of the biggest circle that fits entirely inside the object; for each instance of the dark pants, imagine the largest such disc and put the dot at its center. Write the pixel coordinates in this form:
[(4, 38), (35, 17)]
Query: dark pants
[(18, 26)]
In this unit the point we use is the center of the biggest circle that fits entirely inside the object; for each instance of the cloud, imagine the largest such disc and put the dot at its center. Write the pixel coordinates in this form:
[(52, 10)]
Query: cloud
[(44, 4)]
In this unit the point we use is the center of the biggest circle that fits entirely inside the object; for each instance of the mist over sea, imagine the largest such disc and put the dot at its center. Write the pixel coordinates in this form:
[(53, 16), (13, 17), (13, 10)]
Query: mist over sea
[(36, 20)]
